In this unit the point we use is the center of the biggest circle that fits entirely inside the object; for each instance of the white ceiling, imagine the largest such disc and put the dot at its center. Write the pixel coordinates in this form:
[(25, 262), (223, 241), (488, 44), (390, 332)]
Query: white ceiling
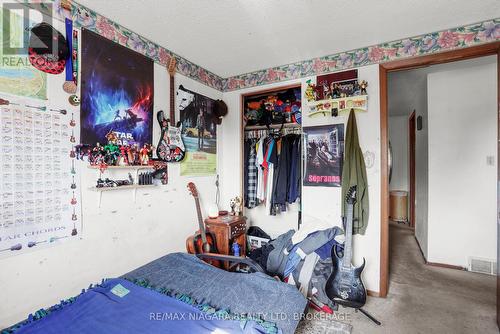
[(230, 37)]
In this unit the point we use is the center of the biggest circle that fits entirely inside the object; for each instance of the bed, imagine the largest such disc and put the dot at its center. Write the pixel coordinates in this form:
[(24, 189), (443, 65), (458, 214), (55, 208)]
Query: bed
[(177, 293)]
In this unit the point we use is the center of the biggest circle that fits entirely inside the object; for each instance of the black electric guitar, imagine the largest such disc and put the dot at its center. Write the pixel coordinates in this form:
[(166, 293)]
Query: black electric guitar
[(170, 147), (345, 286)]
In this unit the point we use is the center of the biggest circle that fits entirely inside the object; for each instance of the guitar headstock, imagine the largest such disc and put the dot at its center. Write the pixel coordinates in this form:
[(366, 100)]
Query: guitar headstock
[(171, 66), (192, 189), (350, 198)]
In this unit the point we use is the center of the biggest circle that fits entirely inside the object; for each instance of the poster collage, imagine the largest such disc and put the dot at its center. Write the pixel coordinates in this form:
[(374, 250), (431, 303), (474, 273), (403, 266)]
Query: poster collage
[(118, 96), (40, 197)]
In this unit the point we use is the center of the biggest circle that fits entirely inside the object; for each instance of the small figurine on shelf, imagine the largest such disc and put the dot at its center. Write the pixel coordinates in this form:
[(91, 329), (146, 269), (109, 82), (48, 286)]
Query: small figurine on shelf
[(310, 91), (235, 204), (144, 155), (130, 154), (363, 84), (96, 156), (112, 150), (123, 158)]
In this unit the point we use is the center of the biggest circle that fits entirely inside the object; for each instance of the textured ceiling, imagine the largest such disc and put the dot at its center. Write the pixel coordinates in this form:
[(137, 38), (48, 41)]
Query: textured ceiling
[(230, 37)]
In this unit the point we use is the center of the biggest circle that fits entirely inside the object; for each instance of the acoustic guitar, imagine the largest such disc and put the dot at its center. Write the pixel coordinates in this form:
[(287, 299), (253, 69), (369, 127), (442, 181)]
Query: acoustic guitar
[(345, 286), (170, 148), (202, 241)]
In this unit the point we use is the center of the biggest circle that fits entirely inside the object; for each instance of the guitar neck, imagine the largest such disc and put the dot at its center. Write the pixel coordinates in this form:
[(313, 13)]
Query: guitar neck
[(348, 238), (200, 221), (172, 100)]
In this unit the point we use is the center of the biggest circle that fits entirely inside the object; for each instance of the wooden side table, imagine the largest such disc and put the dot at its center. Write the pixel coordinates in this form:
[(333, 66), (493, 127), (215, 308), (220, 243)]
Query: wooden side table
[(228, 229)]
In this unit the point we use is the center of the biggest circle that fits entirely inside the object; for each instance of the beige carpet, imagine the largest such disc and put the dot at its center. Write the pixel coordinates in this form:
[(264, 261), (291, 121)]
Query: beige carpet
[(423, 299)]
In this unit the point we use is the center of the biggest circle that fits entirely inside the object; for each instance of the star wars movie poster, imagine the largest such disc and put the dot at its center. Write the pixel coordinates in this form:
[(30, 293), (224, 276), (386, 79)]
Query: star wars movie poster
[(199, 133), (117, 92), (324, 155)]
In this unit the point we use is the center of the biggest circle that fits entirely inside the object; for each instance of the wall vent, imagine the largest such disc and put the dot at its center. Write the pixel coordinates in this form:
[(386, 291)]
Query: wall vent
[(483, 266)]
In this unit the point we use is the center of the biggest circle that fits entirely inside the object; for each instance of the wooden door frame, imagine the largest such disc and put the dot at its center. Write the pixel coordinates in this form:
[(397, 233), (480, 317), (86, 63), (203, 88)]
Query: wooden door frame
[(411, 164), (399, 65)]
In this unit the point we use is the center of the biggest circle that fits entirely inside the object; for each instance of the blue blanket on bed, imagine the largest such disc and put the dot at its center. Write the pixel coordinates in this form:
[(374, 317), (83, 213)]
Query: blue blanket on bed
[(119, 306), (256, 294)]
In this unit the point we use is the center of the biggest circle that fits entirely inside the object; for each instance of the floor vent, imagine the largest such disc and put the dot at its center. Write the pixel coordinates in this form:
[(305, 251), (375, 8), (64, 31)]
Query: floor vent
[(483, 266)]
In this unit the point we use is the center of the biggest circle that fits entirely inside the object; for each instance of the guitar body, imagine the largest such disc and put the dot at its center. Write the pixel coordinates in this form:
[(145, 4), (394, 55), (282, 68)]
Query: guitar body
[(345, 286), (202, 241), (170, 148)]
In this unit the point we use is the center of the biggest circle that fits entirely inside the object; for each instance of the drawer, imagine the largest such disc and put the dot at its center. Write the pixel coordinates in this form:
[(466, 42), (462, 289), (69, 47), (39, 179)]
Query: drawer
[(238, 229)]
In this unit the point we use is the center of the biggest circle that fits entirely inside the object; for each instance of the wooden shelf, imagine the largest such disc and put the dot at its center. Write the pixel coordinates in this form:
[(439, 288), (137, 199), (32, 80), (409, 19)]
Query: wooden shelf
[(132, 186), (356, 102), (272, 126), (123, 167)]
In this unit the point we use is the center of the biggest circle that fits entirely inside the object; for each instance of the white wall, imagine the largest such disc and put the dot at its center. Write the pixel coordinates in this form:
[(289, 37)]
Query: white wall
[(462, 186), (398, 136), (118, 237), (321, 206)]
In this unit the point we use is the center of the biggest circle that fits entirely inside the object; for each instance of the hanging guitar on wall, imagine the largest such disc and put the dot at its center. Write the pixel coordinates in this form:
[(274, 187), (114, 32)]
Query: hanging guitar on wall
[(170, 148)]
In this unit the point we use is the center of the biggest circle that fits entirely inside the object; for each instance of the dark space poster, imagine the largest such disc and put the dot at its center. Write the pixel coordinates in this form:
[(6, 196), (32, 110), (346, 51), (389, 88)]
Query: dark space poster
[(324, 155), (117, 92)]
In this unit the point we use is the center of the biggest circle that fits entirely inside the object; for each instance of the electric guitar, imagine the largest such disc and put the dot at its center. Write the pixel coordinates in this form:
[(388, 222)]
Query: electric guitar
[(170, 148), (344, 286), (201, 241)]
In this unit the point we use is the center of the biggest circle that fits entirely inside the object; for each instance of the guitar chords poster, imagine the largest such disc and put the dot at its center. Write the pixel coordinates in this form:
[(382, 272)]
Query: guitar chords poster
[(39, 186)]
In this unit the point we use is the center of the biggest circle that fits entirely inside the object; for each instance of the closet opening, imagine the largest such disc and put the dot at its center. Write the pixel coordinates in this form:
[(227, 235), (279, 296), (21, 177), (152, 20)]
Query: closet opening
[(272, 158)]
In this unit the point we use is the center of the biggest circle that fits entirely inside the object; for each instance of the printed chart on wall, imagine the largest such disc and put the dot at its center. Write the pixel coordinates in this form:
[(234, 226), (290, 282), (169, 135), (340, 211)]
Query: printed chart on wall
[(117, 92), (199, 133), (17, 76), (39, 186), (324, 155)]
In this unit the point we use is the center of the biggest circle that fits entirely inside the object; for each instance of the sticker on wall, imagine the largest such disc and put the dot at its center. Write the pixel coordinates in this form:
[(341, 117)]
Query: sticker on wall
[(369, 159)]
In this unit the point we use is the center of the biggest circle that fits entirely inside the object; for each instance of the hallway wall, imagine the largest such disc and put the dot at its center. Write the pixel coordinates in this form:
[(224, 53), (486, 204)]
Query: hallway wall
[(407, 91), (462, 162)]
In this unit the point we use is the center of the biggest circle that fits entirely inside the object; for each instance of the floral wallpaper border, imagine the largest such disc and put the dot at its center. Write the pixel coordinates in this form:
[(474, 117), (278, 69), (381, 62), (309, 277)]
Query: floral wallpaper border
[(456, 38), (84, 17), (462, 37)]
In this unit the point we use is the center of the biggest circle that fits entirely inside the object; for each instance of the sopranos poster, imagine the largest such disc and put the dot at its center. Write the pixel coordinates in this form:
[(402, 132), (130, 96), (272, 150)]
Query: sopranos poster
[(324, 155), (117, 92), (199, 133)]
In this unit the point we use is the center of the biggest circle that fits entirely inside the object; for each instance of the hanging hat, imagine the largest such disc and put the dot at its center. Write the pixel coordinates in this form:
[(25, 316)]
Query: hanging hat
[(219, 111), (48, 49)]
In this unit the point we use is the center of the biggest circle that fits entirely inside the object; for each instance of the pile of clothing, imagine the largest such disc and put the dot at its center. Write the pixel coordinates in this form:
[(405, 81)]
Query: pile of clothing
[(272, 172), (303, 260)]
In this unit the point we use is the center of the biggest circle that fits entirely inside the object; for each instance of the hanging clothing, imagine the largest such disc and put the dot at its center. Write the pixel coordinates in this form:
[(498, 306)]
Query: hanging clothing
[(354, 173), (294, 185), (260, 171), (272, 172), (251, 177)]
